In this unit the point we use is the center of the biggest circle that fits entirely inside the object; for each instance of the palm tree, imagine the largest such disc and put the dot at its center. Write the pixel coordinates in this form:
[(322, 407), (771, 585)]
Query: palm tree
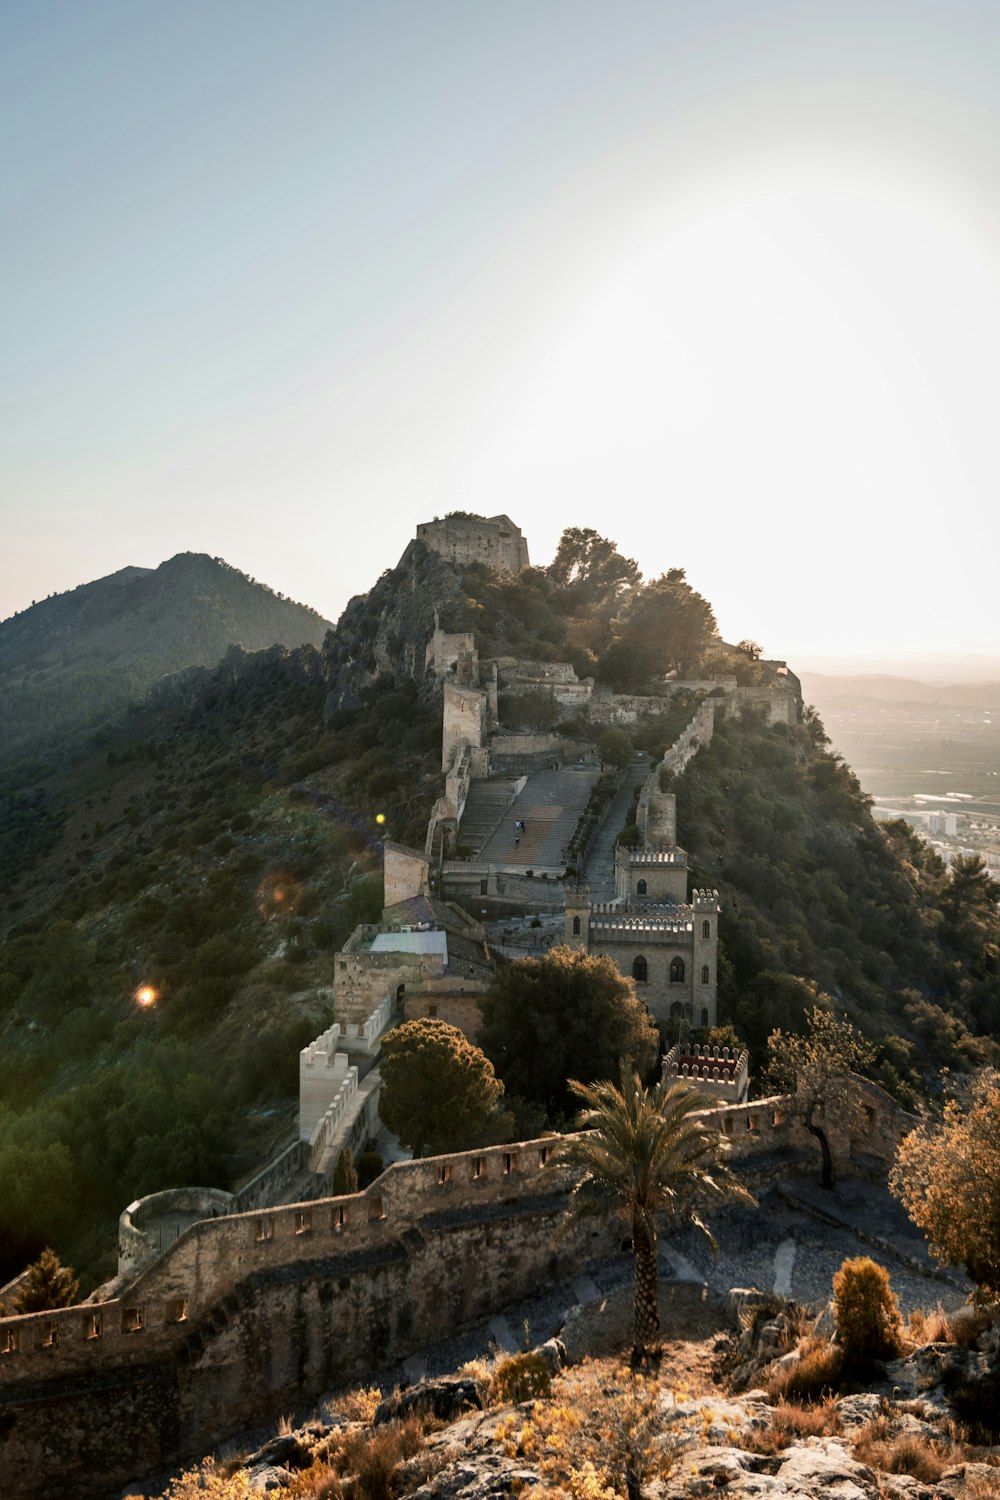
[(642, 1152)]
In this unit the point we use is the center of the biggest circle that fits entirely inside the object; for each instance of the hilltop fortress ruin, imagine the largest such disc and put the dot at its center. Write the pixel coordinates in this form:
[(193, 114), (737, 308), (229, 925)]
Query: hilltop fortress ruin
[(229, 1305)]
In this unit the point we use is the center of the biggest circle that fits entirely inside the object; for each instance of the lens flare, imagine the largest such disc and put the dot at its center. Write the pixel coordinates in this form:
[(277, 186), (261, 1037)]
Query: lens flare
[(380, 818)]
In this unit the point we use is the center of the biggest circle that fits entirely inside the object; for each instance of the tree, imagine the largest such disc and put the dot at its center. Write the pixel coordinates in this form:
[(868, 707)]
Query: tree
[(818, 1068), (644, 1152), (568, 1014), (750, 649), (438, 1090), (614, 747), (947, 1176), (590, 568), (666, 625), (345, 1175), (48, 1284)]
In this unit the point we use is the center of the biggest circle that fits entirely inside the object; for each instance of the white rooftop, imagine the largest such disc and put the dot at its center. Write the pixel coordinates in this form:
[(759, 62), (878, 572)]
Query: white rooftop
[(412, 942)]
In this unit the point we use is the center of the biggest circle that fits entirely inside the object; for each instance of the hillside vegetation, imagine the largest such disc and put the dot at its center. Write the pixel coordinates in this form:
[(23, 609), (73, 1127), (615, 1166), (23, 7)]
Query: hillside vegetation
[(219, 842), (74, 658), (218, 846)]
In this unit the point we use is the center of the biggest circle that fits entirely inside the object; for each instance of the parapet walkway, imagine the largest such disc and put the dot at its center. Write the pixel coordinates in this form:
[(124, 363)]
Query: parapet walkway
[(550, 806)]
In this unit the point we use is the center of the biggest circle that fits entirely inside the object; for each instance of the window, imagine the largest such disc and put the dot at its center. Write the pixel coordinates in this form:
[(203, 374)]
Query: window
[(432, 1011), (677, 971), (10, 1341), (640, 970), (676, 1011), (265, 1229), (50, 1335), (509, 1162), (484, 886), (704, 973), (479, 1166), (640, 889), (376, 1210), (576, 926), (704, 1015), (444, 1174), (303, 1221), (543, 1156), (133, 1320), (706, 929), (340, 1216), (177, 1310), (92, 1326)]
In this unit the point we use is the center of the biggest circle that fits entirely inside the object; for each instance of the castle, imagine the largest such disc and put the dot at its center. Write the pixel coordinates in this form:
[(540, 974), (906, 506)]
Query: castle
[(228, 1306)]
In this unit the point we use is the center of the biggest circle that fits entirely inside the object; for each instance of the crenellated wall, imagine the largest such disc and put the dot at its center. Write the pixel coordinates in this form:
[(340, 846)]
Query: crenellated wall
[(249, 1314)]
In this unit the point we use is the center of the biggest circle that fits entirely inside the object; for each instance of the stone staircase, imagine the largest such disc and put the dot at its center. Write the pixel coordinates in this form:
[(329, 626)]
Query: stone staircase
[(600, 868), (485, 805), (550, 804)]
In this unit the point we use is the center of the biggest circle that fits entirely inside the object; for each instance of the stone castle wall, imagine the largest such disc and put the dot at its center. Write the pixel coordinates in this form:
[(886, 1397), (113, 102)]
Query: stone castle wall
[(493, 541), (252, 1313)]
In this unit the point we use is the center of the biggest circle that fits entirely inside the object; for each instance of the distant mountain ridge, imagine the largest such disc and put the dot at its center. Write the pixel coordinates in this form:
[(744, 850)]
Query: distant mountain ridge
[(72, 659)]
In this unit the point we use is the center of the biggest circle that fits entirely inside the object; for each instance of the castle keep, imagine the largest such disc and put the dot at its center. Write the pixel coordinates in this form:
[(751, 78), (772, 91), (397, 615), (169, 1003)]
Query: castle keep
[(493, 541)]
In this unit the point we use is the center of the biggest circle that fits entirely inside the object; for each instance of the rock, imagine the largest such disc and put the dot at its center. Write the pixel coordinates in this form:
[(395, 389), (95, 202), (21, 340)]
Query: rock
[(825, 1325), (855, 1411), (483, 1478), (553, 1352), (265, 1477), (287, 1451), (444, 1399), (825, 1469)]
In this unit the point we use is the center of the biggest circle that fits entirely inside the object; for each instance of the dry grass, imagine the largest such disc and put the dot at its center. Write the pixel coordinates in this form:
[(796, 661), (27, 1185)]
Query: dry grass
[(924, 1458), (961, 1327), (789, 1421), (359, 1405), (812, 1378)]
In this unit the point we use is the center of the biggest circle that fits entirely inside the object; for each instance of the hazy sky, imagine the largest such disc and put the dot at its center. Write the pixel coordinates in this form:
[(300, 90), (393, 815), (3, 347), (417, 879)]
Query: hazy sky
[(720, 279)]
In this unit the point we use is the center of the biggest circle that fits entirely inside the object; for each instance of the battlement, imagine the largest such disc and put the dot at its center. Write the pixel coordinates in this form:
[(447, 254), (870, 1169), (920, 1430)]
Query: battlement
[(718, 1073)]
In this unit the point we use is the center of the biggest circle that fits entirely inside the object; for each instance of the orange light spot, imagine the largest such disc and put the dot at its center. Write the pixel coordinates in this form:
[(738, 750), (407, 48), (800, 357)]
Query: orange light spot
[(146, 996), (278, 894)]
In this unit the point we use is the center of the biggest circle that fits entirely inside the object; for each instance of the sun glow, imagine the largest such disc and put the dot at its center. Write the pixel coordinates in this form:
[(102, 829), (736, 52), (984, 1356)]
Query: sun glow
[(811, 367)]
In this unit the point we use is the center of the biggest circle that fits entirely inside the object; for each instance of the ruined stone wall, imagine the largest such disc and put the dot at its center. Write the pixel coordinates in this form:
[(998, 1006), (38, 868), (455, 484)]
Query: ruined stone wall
[(493, 541), (363, 980), (405, 872), (464, 721)]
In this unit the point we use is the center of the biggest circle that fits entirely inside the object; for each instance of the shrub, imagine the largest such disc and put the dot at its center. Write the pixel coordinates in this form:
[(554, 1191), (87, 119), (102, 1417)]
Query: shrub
[(815, 1375), (788, 1421), (923, 1457), (866, 1311), (522, 1377)]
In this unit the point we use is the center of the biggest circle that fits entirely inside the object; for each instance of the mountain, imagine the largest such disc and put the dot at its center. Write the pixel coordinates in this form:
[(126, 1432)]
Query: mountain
[(71, 660), (824, 688)]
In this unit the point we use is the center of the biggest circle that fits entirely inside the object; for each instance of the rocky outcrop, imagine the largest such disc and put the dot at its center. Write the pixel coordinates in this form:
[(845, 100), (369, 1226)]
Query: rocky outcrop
[(384, 633)]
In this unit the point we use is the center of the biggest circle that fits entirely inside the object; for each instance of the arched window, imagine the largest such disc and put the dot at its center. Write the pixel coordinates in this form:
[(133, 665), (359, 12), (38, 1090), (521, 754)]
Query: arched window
[(576, 926), (640, 889), (677, 971), (640, 970), (704, 1016), (676, 1011), (706, 929), (704, 973)]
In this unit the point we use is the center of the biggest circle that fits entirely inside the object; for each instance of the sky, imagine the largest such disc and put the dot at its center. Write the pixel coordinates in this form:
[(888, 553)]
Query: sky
[(720, 280)]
